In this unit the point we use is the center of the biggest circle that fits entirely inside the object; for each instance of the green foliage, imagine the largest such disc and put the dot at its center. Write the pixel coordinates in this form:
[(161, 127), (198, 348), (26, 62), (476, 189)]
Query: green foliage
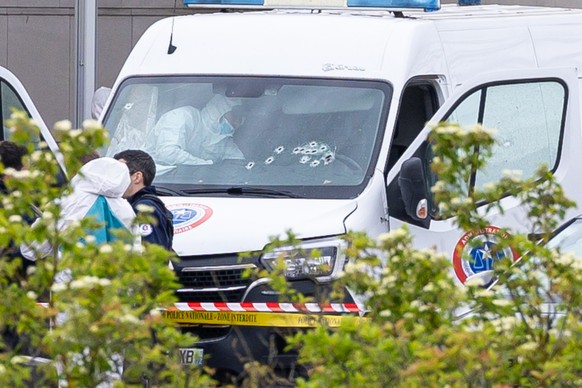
[(101, 319), (423, 328)]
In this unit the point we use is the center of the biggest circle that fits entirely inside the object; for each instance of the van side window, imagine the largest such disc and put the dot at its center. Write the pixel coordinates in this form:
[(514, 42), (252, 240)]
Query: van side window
[(528, 117), (9, 100), (418, 104)]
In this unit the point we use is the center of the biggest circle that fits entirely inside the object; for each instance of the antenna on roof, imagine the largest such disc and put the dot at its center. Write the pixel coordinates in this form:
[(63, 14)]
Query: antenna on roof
[(171, 47)]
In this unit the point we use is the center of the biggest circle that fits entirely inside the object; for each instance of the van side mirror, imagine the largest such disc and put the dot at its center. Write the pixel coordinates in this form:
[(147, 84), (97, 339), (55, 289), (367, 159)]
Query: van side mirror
[(413, 188)]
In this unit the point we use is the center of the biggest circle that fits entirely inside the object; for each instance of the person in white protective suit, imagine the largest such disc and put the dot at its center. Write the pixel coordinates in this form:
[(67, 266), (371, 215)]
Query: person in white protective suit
[(98, 191), (137, 121), (98, 102), (186, 135)]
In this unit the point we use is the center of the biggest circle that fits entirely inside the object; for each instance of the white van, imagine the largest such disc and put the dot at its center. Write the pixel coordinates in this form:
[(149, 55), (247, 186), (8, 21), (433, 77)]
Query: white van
[(13, 95), (334, 102)]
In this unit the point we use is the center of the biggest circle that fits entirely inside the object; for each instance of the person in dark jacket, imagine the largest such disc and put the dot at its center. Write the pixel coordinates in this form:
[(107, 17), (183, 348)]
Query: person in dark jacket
[(142, 170), (11, 157)]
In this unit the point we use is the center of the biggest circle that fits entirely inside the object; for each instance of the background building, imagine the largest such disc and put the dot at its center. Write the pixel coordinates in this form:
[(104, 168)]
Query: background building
[(38, 43)]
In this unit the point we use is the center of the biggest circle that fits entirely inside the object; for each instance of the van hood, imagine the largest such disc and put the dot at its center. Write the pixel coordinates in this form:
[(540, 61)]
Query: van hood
[(226, 225)]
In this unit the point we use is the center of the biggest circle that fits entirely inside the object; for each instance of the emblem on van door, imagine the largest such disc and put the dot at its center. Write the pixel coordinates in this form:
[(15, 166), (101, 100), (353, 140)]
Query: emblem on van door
[(476, 251), (187, 216)]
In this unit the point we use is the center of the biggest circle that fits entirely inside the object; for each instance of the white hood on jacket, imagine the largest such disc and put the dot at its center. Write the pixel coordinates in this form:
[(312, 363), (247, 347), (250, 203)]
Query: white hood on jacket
[(103, 176)]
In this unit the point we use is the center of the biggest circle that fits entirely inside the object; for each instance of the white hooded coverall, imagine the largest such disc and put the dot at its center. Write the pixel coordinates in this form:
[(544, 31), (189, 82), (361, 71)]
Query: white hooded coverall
[(97, 191), (187, 135)]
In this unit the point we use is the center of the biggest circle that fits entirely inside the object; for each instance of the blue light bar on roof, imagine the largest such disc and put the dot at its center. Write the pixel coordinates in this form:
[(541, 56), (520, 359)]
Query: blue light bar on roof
[(427, 5), (194, 3)]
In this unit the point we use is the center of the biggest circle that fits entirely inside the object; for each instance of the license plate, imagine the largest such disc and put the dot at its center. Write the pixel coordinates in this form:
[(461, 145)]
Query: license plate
[(191, 356)]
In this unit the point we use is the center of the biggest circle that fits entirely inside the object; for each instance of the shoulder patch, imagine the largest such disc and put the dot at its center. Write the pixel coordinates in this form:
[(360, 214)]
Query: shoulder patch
[(145, 229)]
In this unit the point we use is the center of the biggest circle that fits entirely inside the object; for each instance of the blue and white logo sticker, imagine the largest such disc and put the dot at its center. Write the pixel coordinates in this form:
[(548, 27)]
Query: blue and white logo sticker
[(145, 229), (187, 216), (476, 251)]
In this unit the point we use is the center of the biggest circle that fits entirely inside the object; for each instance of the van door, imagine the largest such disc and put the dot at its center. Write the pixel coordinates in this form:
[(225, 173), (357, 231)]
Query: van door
[(536, 114), (14, 96)]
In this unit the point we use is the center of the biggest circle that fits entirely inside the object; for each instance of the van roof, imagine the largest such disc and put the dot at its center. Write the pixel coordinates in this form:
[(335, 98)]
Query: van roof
[(301, 43)]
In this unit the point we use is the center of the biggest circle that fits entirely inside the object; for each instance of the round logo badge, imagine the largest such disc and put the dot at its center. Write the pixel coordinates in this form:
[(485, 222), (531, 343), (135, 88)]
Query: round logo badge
[(145, 229), (476, 252), (187, 216)]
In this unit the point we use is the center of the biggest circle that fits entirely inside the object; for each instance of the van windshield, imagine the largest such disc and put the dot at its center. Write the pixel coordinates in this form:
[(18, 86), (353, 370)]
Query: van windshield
[(248, 135)]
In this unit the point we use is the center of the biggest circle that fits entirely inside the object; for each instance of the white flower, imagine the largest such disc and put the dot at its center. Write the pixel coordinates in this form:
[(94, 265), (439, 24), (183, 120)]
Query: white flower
[(141, 208), (18, 115), (504, 323), (105, 248), (395, 234), (415, 304), (501, 302), (429, 287), (75, 132), (489, 186), (15, 218), (475, 282), (155, 313), (91, 124), (512, 174), (90, 239), (2, 369), (89, 282), (18, 360), (47, 215), (128, 318), (566, 259), (438, 186), (484, 293), (529, 346), (63, 125), (385, 313), (456, 201), (31, 295), (35, 156), (21, 174), (58, 287)]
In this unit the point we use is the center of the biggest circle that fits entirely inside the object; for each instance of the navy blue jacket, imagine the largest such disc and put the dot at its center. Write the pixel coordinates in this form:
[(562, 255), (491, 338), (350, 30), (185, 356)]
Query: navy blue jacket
[(162, 233)]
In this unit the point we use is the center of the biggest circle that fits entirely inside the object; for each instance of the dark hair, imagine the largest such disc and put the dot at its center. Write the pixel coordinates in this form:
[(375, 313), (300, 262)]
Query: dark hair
[(138, 160), (11, 154)]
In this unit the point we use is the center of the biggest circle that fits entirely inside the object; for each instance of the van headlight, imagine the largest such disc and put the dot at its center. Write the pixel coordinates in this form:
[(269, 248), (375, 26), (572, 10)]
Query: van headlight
[(319, 259)]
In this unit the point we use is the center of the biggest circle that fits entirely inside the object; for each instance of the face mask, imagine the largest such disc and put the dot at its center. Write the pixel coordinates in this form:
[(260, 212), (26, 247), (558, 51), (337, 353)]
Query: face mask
[(224, 128)]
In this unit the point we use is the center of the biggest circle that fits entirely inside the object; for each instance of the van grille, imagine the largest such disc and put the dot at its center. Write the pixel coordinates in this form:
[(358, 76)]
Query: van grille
[(224, 283)]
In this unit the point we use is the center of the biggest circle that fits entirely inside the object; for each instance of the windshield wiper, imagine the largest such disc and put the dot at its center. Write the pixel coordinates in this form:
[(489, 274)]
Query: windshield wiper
[(252, 191), (166, 192)]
